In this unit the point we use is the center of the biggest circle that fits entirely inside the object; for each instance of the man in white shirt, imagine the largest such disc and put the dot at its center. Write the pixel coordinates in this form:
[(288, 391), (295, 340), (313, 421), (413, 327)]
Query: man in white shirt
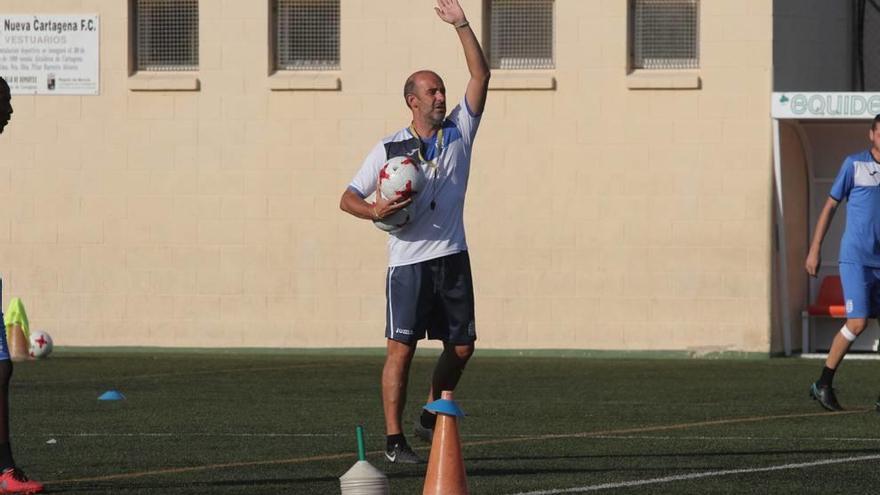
[(428, 287)]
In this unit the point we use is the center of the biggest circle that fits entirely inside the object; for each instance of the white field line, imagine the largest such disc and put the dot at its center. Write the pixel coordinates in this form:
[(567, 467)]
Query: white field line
[(735, 439), (705, 474), (465, 437), (491, 441), (124, 378)]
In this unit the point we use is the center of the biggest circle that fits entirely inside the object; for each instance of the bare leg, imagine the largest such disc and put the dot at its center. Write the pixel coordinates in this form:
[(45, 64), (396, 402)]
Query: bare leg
[(395, 375), (449, 368), (840, 345)]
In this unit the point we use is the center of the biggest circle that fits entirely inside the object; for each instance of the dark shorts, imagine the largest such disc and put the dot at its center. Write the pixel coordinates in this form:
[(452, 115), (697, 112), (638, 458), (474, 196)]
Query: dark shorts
[(434, 297)]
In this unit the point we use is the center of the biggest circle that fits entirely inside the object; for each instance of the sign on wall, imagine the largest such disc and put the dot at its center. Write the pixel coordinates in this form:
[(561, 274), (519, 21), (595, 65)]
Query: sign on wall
[(800, 105), (47, 54)]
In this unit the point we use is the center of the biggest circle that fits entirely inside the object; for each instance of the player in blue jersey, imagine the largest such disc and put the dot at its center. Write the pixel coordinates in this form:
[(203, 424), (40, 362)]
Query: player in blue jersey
[(429, 290), (858, 182), (12, 479)]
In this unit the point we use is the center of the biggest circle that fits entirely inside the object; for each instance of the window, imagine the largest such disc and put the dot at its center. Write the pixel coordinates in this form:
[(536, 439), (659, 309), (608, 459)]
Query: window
[(306, 34), (665, 34), (521, 34), (166, 35)]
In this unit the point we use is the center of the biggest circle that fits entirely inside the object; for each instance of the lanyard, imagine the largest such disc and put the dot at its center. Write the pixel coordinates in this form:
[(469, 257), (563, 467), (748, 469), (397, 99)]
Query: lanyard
[(432, 164)]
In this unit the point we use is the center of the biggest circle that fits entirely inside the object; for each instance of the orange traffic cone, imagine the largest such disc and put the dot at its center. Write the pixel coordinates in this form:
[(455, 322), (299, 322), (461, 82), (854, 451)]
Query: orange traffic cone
[(445, 474)]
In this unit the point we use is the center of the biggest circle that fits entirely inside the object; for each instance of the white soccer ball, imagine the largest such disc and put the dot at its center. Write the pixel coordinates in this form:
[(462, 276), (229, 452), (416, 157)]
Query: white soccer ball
[(395, 221), (401, 176), (41, 344)]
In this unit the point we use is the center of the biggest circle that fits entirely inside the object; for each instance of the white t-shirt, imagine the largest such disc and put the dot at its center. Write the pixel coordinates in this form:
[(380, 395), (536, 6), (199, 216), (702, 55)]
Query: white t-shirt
[(433, 232)]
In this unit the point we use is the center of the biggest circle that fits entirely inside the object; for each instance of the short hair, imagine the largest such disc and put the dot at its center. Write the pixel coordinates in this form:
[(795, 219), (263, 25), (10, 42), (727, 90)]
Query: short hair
[(5, 93), (409, 87), (875, 122)]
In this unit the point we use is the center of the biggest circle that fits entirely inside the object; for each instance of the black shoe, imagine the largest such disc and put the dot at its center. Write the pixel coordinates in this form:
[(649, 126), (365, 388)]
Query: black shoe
[(401, 453), (424, 433), (825, 396)]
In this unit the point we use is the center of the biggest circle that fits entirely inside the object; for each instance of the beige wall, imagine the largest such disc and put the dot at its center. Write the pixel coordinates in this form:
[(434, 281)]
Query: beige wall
[(599, 216)]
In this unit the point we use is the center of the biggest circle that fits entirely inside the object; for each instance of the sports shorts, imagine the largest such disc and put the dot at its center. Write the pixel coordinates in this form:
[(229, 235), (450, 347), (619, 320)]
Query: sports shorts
[(433, 298), (861, 290), (4, 349)]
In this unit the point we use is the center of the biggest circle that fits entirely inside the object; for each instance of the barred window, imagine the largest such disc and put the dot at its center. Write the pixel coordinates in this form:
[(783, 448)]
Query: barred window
[(521, 34), (166, 35), (306, 34), (665, 34)]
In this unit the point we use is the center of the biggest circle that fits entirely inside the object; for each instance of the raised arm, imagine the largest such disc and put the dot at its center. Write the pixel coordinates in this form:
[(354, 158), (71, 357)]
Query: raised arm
[(450, 11)]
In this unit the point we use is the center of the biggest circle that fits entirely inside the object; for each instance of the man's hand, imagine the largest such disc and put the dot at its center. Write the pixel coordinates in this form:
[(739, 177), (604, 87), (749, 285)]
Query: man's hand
[(813, 262), (450, 11), (384, 207)]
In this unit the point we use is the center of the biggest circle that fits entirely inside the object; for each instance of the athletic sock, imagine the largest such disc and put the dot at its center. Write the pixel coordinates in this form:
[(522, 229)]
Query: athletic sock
[(6, 461), (428, 419), (392, 440), (826, 378)]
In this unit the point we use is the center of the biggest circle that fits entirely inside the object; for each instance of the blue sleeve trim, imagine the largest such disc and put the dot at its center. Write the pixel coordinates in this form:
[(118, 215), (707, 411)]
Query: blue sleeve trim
[(356, 191), (835, 199)]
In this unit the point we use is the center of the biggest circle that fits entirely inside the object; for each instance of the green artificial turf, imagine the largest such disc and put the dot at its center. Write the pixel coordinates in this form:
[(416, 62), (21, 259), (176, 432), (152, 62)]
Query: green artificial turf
[(236, 422)]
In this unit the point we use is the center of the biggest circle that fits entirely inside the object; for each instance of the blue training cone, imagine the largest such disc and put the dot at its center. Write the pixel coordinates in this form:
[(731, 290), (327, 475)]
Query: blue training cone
[(111, 395)]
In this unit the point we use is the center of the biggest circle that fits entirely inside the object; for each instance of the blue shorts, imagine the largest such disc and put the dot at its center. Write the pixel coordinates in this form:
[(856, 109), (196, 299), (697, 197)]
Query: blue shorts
[(434, 297), (861, 290), (4, 349)]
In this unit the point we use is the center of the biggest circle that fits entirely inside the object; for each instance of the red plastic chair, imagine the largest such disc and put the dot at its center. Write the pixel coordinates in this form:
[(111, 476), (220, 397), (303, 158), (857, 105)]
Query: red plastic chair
[(829, 304)]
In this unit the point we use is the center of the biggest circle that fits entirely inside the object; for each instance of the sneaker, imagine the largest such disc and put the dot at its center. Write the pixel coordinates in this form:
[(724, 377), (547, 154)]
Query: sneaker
[(424, 433), (825, 396), (13, 480), (402, 453)]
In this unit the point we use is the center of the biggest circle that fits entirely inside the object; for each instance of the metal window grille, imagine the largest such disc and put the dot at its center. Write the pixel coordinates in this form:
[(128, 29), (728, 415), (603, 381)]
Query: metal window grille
[(521, 34), (167, 35), (307, 34), (665, 34)]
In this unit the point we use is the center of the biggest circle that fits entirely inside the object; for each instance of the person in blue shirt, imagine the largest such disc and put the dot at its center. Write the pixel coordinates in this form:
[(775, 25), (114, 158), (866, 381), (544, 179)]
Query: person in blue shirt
[(857, 182)]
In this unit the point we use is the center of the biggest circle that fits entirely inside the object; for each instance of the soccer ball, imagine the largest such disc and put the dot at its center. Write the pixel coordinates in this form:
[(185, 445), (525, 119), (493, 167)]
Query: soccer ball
[(41, 344), (401, 176), (395, 221)]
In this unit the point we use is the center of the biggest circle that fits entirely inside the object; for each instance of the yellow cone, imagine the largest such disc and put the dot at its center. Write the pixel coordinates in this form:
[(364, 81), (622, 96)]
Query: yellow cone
[(17, 330)]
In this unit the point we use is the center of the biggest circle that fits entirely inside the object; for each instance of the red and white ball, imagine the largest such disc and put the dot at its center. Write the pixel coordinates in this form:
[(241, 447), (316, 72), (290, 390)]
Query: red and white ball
[(395, 221), (400, 177), (41, 344)]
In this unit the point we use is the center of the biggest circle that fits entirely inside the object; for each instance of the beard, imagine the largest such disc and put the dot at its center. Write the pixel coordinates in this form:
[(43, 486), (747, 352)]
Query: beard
[(436, 116)]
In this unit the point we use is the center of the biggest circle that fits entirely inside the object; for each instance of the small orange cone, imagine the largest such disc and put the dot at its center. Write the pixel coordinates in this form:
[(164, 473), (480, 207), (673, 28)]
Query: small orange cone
[(445, 474)]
